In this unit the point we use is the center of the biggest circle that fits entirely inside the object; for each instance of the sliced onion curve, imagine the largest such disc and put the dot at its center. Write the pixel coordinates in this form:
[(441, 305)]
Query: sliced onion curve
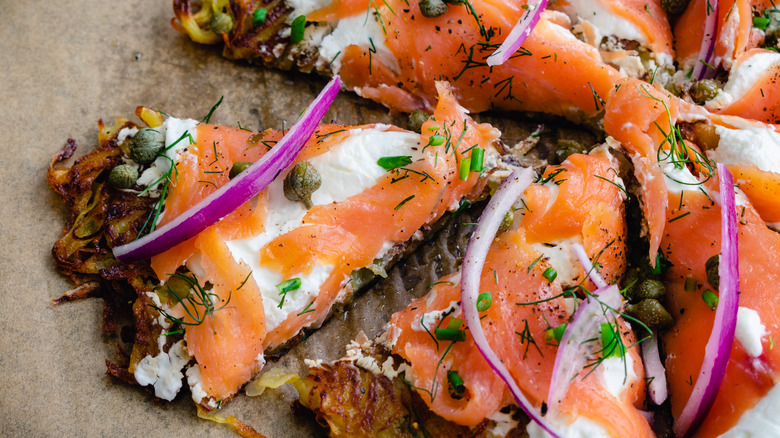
[(473, 262), (239, 190), (721, 340), (525, 25)]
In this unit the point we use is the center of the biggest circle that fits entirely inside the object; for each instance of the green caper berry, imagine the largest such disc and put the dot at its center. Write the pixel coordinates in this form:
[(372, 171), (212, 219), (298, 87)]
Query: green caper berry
[(506, 223), (146, 145), (713, 274), (652, 313), (567, 148), (238, 167), (433, 8), (630, 283), (221, 23), (650, 289), (674, 7), (416, 120), (301, 182), (123, 176), (673, 88), (704, 90)]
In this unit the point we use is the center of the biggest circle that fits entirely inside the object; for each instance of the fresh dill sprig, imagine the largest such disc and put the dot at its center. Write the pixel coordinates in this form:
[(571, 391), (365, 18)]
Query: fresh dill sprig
[(198, 303)]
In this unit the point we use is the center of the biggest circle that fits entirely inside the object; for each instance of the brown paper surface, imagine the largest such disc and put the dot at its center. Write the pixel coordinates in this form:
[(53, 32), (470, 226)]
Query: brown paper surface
[(63, 65)]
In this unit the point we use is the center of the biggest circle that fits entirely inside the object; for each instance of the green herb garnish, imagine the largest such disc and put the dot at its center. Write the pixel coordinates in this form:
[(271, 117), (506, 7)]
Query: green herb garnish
[(297, 29), (390, 163), (286, 287)]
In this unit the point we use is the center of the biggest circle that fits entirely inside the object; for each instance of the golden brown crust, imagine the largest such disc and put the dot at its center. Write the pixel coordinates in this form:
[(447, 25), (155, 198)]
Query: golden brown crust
[(353, 402)]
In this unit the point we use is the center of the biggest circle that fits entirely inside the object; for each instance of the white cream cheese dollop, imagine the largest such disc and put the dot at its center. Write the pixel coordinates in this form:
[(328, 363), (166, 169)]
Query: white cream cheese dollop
[(347, 169)]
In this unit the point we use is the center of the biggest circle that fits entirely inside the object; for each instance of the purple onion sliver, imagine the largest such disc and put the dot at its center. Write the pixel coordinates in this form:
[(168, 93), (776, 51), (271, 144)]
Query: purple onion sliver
[(718, 349), (525, 25), (707, 48), (573, 350), (655, 370), (474, 260), (582, 256), (235, 193)]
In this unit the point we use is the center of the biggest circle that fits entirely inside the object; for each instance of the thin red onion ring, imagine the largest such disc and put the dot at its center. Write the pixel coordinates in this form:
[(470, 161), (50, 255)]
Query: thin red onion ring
[(718, 349), (236, 192), (575, 348), (655, 370), (525, 25), (707, 49), (474, 260), (594, 275)]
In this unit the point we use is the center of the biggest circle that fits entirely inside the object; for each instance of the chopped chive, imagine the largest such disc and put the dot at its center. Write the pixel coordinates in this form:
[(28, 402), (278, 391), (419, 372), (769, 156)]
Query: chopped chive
[(297, 28), (463, 206), (401, 204), (710, 299), (477, 159), (691, 284), (454, 323), (465, 167), (448, 334), (771, 343), (390, 163), (661, 264), (288, 286), (611, 344), (550, 274), (555, 334), (456, 383), (484, 300), (761, 22), (436, 140), (259, 16)]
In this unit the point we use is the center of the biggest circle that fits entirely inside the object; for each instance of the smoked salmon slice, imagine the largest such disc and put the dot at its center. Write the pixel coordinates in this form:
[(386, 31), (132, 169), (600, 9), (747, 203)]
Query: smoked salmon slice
[(671, 144), (753, 88), (389, 52), (526, 303), (275, 266)]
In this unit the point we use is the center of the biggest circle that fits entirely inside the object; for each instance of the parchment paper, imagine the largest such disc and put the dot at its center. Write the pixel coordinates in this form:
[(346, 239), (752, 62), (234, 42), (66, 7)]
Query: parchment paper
[(63, 65)]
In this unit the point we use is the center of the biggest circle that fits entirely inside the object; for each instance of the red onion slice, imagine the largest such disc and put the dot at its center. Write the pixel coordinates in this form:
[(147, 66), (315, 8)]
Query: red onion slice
[(594, 275), (718, 349), (576, 346), (525, 25), (474, 260), (655, 370), (236, 192), (707, 49)]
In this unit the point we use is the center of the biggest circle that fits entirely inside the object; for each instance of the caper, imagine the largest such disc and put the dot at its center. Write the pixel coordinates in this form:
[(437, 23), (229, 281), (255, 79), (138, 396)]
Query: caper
[(652, 314), (703, 91), (238, 167), (506, 223), (221, 23), (123, 176), (568, 147), (650, 289), (631, 282), (301, 182), (673, 88), (433, 8), (146, 145), (713, 275), (416, 120), (674, 7)]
